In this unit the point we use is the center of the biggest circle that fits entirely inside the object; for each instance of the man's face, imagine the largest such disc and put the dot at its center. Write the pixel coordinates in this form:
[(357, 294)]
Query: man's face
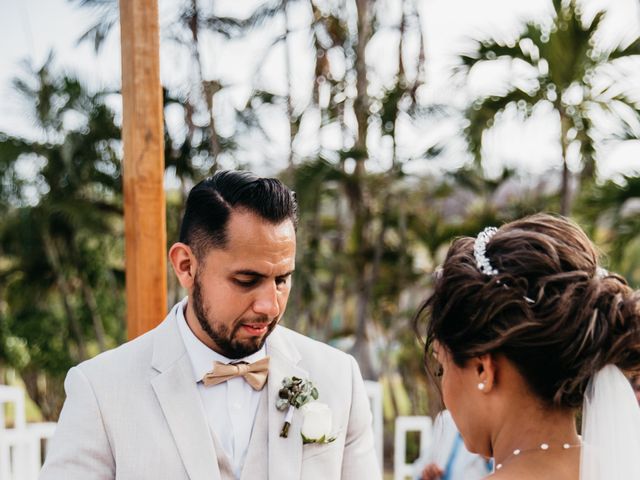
[(240, 292)]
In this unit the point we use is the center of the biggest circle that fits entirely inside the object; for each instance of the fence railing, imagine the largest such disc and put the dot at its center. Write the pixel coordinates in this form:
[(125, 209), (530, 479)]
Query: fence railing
[(374, 392), (21, 452), (403, 425)]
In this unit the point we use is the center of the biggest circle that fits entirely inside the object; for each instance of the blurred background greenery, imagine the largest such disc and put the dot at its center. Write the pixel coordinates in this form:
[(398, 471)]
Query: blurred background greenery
[(382, 187)]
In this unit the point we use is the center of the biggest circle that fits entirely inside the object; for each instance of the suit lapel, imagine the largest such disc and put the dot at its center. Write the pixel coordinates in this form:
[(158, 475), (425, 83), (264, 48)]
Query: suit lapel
[(285, 454), (178, 395)]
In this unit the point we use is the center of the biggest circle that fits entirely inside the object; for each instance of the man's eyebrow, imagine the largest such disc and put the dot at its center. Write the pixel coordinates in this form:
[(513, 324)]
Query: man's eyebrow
[(249, 273), (253, 273)]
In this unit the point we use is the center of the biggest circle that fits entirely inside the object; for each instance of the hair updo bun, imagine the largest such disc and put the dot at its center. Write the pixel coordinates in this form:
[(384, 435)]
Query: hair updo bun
[(548, 308)]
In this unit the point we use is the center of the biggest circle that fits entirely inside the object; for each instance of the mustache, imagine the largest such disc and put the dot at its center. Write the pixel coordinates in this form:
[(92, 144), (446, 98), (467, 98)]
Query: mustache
[(261, 321), (257, 321)]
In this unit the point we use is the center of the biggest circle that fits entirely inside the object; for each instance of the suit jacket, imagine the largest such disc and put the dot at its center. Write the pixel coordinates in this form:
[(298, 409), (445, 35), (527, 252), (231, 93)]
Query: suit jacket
[(134, 413)]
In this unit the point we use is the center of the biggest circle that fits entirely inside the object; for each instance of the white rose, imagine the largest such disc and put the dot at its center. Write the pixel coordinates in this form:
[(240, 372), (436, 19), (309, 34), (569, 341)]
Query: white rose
[(316, 421)]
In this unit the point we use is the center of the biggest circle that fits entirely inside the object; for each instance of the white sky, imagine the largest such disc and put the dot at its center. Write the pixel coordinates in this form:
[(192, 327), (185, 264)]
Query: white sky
[(32, 28)]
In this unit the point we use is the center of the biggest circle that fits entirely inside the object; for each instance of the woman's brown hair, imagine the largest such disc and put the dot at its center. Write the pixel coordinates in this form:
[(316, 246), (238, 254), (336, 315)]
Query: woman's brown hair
[(549, 309)]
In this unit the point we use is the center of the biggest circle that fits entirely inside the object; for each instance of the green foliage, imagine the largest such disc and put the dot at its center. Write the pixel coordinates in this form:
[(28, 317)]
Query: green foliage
[(322, 440), (611, 212), (58, 227), (566, 68), (295, 392)]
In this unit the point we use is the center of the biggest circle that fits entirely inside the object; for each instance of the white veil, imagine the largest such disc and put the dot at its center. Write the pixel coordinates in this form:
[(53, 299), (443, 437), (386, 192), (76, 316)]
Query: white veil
[(610, 428)]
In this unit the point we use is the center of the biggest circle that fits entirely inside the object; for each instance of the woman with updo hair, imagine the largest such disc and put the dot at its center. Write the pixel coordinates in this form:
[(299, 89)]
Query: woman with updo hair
[(526, 328)]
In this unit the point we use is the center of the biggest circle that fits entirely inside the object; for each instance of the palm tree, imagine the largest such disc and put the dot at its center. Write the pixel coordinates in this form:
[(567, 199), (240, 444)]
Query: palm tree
[(192, 22), (567, 69), (611, 212), (60, 229)]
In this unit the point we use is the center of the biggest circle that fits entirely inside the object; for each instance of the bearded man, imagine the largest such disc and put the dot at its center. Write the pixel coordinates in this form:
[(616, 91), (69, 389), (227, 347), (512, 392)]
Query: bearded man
[(205, 395)]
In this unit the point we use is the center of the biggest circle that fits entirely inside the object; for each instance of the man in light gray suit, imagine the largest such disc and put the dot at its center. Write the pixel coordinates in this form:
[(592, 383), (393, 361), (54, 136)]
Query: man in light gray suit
[(185, 400)]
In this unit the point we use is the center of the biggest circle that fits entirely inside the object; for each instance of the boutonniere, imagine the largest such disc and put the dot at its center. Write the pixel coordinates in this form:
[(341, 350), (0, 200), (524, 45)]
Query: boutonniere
[(316, 423), (295, 393)]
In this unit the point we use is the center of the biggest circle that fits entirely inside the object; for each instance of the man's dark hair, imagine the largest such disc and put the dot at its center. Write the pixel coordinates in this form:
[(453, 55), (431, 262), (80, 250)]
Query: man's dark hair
[(211, 202)]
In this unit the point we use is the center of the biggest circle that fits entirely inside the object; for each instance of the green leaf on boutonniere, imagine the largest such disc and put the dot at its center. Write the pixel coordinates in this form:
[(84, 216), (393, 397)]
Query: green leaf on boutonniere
[(323, 439), (295, 392)]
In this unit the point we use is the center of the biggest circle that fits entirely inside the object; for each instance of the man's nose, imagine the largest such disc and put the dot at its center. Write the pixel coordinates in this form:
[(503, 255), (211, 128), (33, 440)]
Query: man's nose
[(266, 303)]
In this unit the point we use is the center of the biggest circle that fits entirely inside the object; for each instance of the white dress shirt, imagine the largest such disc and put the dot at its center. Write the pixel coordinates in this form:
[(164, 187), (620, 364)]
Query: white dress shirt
[(230, 406)]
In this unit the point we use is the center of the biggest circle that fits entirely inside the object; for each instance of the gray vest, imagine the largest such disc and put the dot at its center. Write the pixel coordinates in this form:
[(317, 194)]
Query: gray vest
[(256, 463)]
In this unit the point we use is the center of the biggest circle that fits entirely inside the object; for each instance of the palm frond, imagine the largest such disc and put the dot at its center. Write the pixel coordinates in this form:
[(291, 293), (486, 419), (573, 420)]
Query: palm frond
[(108, 14), (111, 4), (490, 50), (622, 52), (569, 49), (98, 32), (622, 112), (228, 27), (482, 113), (265, 12)]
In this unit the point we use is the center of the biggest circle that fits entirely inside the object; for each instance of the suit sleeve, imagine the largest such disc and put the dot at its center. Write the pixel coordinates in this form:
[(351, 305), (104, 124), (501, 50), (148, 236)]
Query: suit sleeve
[(79, 449), (359, 459)]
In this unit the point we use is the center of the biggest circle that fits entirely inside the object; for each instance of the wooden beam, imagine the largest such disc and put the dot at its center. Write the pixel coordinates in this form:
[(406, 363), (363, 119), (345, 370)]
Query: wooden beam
[(143, 169)]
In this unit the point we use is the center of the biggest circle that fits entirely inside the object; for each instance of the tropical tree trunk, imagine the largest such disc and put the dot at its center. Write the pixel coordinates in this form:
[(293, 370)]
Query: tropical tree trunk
[(65, 293), (337, 246), (89, 300), (293, 124), (371, 274), (361, 348), (404, 269), (361, 103), (420, 67), (565, 189), (208, 88), (96, 319), (46, 392), (403, 28)]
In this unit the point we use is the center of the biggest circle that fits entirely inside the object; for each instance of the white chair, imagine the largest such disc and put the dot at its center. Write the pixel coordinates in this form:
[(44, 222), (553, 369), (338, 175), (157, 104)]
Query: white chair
[(20, 446), (374, 392), (42, 431), (422, 424), (15, 396), (19, 455)]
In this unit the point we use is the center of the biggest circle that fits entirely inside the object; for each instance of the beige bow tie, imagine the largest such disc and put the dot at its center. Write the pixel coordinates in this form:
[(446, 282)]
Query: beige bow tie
[(255, 373)]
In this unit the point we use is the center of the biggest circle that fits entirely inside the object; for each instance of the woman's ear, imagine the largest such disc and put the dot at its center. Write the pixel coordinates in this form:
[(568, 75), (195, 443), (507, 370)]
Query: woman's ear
[(184, 264), (486, 369)]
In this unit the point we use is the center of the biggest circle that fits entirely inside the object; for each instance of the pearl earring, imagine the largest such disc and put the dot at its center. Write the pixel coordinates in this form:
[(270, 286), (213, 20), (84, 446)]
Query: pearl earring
[(481, 386)]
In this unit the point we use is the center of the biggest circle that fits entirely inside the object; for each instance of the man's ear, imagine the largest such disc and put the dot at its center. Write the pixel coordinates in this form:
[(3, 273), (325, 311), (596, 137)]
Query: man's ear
[(184, 264)]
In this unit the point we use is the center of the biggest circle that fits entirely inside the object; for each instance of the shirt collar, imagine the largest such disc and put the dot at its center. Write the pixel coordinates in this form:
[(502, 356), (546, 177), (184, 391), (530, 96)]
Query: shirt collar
[(202, 357)]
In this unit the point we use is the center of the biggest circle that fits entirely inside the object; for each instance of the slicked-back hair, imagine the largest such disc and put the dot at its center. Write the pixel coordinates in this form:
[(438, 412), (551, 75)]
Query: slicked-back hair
[(211, 202)]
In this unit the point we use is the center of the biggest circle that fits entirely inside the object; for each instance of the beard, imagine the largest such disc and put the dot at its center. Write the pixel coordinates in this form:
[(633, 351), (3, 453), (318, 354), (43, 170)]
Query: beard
[(223, 336)]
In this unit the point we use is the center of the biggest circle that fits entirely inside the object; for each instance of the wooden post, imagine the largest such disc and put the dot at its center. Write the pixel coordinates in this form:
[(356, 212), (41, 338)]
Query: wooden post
[(143, 172)]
